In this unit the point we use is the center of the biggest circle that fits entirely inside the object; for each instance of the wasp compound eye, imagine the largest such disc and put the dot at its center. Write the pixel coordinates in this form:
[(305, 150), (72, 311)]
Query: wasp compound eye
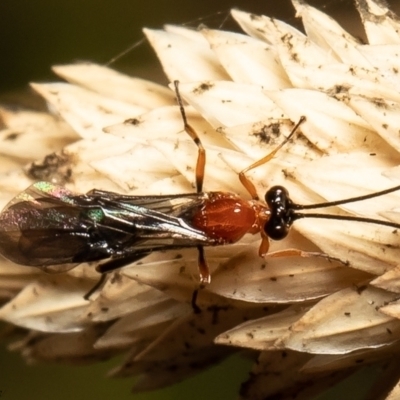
[(277, 196), (276, 228)]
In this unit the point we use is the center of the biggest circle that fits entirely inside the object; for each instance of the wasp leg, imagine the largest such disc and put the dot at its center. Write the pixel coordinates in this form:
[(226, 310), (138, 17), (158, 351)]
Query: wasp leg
[(97, 286), (249, 186), (193, 302), (264, 245), (204, 272), (112, 265), (121, 261), (205, 278), (201, 157), (302, 253)]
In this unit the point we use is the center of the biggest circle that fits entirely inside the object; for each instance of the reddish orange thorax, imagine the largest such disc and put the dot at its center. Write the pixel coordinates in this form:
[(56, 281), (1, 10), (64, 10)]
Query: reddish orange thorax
[(226, 217)]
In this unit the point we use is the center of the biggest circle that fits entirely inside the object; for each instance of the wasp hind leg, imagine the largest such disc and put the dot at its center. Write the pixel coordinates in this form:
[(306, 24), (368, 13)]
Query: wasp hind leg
[(205, 278), (302, 253), (111, 265), (96, 287)]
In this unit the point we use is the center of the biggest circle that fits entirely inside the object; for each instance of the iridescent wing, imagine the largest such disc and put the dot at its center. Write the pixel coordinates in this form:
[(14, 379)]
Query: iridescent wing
[(49, 227), (149, 223), (42, 227)]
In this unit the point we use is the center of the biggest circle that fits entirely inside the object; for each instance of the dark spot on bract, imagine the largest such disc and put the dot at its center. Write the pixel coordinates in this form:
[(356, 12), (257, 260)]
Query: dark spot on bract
[(379, 102), (267, 134), (12, 136), (116, 278), (55, 168), (132, 121), (203, 87), (361, 288), (339, 89)]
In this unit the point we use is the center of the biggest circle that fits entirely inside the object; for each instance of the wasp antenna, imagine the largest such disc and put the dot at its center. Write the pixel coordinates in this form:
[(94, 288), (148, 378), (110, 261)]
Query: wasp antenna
[(296, 216), (345, 201)]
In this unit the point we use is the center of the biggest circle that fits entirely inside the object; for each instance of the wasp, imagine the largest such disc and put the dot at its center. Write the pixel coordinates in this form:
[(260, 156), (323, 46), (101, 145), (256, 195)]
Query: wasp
[(49, 227)]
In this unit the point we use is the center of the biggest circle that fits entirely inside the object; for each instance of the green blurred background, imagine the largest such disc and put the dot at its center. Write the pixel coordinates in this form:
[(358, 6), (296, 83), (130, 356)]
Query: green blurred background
[(37, 34), (34, 35)]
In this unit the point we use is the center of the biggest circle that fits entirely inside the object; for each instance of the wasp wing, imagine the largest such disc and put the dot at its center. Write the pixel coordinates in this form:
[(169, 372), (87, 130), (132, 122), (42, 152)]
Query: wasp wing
[(41, 227), (47, 225), (148, 222)]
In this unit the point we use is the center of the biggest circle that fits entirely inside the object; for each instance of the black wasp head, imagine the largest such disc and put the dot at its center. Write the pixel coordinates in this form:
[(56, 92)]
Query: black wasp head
[(282, 213)]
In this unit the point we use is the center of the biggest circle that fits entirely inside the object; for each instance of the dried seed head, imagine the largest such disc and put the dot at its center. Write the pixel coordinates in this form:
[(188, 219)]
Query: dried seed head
[(308, 317)]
